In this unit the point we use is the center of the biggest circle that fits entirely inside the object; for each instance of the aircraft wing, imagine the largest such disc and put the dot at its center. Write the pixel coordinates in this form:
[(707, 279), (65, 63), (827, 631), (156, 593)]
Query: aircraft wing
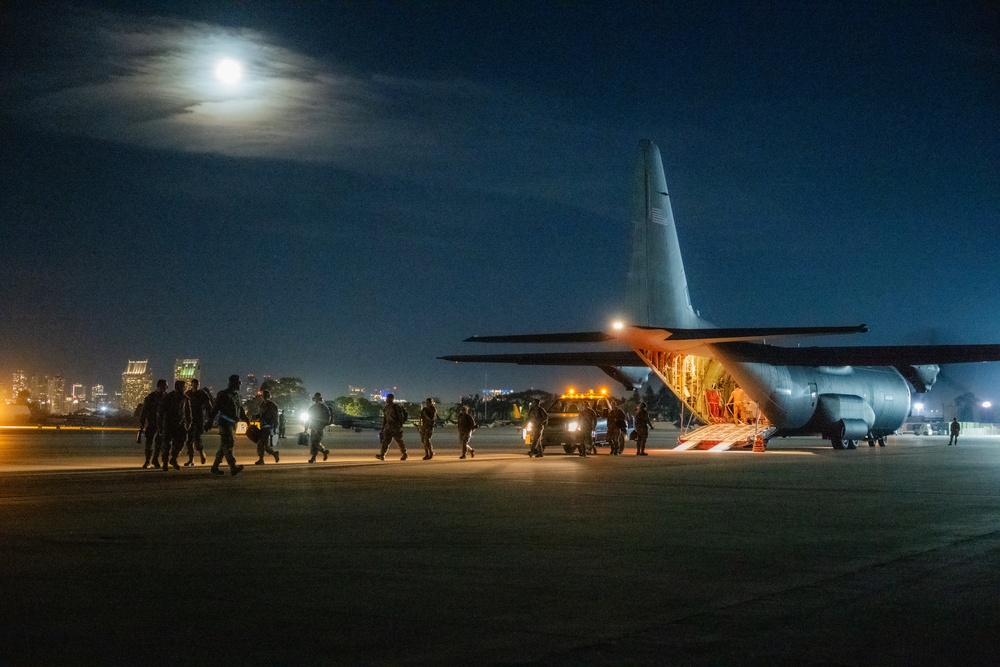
[(890, 355), (576, 337), (612, 358)]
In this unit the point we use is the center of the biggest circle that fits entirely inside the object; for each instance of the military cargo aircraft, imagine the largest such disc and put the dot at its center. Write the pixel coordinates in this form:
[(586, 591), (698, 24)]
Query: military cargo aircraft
[(842, 393)]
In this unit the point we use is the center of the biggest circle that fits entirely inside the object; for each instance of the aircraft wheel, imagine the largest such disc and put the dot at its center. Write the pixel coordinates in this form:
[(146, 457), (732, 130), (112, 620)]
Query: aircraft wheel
[(569, 449), (838, 443), (881, 441), (850, 444)]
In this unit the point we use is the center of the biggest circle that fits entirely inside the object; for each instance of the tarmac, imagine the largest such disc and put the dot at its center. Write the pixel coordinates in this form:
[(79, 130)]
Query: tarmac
[(801, 555)]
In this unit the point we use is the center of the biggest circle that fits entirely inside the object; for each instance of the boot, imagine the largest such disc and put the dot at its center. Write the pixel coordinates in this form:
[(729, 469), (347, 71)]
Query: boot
[(202, 452), (235, 470), (189, 463), (403, 457), (472, 453), (276, 456), (173, 462), (146, 464), (259, 462), (326, 453), (312, 459), (216, 471)]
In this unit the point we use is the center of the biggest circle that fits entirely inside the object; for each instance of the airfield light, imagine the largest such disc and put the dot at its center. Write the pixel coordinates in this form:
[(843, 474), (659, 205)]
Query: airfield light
[(604, 392), (305, 417), (918, 406), (618, 325), (987, 404), (572, 391)]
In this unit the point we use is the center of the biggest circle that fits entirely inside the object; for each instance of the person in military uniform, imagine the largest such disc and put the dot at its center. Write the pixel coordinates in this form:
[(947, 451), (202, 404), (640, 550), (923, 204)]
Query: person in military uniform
[(466, 425), (268, 424), (393, 418), (229, 408), (586, 423), (319, 418), (149, 425), (281, 424), (201, 407), (617, 426), (954, 430), (642, 426), (537, 419), (428, 417), (174, 416)]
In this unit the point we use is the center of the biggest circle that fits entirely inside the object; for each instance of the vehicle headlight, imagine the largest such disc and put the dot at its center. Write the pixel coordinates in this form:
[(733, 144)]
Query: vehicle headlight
[(572, 426), (528, 427)]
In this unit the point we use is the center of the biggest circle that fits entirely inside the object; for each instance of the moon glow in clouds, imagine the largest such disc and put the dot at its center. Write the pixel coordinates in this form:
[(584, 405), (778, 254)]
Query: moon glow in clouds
[(228, 71)]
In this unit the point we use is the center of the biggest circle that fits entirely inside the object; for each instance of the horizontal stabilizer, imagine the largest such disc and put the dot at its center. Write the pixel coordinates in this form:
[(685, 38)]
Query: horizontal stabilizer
[(596, 358), (578, 337), (753, 333), (890, 355)]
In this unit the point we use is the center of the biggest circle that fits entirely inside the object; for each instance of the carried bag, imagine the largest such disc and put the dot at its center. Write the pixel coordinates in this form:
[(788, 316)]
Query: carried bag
[(253, 432), (304, 439)]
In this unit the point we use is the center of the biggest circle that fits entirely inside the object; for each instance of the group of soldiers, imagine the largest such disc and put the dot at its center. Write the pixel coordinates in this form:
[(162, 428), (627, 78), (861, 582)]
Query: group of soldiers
[(587, 424), (169, 422), (394, 416)]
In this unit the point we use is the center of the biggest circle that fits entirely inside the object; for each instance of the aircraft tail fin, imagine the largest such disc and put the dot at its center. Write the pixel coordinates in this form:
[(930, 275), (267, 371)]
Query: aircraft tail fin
[(656, 293)]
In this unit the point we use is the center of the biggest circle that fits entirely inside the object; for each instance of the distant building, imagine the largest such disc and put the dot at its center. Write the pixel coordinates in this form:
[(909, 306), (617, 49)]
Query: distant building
[(187, 370), (98, 396), (57, 394), (18, 383), (137, 381), (252, 386)]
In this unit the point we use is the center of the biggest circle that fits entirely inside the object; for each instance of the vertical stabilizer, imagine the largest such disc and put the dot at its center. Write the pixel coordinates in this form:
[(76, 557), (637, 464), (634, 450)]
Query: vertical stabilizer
[(656, 293)]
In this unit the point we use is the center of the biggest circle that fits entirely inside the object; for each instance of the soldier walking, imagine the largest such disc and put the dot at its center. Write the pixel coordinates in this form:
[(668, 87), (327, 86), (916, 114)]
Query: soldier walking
[(466, 425), (642, 426), (148, 423), (393, 419), (586, 423), (537, 419), (229, 408), (428, 417), (617, 425), (174, 416), (201, 407), (268, 424), (319, 418)]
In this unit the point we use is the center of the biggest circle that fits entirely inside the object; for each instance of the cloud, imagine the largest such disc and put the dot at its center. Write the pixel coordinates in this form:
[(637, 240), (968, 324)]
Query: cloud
[(149, 82)]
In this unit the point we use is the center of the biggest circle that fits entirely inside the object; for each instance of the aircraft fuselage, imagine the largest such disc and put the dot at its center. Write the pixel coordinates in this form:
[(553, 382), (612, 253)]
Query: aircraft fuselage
[(843, 402)]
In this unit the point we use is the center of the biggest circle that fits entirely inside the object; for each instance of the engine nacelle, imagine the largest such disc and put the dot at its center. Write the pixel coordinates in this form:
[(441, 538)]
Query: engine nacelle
[(845, 416), (921, 377)]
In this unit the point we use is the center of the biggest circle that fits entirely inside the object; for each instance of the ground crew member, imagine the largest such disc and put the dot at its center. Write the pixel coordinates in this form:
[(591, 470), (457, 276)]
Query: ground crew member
[(201, 407), (586, 423), (738, 399), (956, 428), (149, 425), (319, 418), (428, 416), (537, 419), (174, 416), (281, 425), (466, 425), (393, 419), (616, 429), (229, 408), (268, 425), (642, 426)]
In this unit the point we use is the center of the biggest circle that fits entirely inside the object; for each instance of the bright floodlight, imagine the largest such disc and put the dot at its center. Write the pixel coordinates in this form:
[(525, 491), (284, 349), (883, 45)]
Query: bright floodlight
[(228, 71), (987, 404), (918, 406), (619, 325)]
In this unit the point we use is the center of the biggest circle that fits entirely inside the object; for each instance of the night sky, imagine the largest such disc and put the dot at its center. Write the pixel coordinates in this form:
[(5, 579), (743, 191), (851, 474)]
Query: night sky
[(389, 178)]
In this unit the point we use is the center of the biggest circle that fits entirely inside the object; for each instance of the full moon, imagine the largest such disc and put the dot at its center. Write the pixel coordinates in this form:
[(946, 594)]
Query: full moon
[(228, 71)]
